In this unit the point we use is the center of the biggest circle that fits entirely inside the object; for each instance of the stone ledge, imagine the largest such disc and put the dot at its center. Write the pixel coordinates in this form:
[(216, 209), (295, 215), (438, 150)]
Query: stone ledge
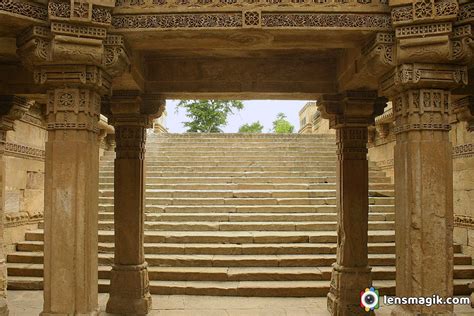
[(22, 218)]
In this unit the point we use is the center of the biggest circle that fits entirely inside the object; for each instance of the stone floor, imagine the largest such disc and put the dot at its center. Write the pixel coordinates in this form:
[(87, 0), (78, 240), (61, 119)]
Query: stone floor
[(28, 303)]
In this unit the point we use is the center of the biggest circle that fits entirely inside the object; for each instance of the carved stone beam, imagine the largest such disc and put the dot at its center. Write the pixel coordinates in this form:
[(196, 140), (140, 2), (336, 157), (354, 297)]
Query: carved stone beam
[(464, 111), (462, 44)]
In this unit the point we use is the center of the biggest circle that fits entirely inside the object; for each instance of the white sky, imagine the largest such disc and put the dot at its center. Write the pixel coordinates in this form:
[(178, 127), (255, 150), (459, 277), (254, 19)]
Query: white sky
[(264, 111)]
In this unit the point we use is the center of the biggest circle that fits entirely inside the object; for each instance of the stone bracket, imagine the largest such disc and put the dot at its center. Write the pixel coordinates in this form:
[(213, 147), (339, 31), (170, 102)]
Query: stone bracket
[(464, 111), (12, 108)]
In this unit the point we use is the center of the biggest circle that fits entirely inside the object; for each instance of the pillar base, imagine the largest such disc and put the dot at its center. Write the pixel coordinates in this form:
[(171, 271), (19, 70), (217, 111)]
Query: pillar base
[(344, 293), (129, 290)]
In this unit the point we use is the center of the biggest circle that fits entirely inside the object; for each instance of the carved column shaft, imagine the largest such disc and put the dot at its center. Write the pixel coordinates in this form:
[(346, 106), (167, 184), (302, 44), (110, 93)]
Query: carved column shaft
[(351, 114), (129, 288), (424, 197), (71, 202)]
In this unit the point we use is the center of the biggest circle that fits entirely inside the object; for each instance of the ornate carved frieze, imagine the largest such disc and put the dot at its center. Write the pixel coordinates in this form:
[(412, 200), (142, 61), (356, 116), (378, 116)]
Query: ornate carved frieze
[(419, 75), (80, 11), (24, 151), (466, 13), (27, 9), (248, 19), (422, 110), (425, 11), (463, 221), (182, 5), (463, 151), (464, 111), (12, 108)]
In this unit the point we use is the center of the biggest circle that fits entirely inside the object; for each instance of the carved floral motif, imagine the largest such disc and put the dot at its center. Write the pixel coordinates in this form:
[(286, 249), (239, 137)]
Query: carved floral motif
[(27, 9)]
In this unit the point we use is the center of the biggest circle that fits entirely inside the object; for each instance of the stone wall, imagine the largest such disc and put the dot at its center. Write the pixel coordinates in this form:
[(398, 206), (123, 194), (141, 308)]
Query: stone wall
[(24, 176), (311, 122)]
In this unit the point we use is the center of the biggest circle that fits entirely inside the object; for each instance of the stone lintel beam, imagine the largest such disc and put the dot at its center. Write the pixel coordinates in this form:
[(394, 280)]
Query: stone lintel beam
[(464, 111)]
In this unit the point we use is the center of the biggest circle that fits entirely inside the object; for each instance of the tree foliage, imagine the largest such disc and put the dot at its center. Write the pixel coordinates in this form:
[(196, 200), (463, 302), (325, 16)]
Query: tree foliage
[(255, 127), (281, 125), (208, 116)]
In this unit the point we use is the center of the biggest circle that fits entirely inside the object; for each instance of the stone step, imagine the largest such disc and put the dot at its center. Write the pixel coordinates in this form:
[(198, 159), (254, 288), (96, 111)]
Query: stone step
[(315, 170), (240, 194), (246, 226), (329, 175), (234, 273), (248, 186), (244, 288), (305, 260), (232, 249), (150, 180), (266, 237), (209, 208), (253, 217), (165, 158), (230, 163), (158, 202)]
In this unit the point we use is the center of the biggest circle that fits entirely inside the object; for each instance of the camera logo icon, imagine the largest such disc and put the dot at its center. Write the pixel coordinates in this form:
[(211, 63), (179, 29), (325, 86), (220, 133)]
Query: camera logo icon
[(369, 299)]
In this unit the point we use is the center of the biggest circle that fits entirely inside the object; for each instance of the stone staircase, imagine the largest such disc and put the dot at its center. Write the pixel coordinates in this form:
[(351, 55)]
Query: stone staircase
[(235, 214)]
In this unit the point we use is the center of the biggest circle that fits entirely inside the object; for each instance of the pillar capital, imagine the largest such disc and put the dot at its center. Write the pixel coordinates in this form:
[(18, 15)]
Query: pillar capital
[(131, 107), (351, 108), (423, 76)]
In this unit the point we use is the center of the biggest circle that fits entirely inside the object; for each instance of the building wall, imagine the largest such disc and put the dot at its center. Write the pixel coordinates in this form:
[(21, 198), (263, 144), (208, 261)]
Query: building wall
[(24, 176)]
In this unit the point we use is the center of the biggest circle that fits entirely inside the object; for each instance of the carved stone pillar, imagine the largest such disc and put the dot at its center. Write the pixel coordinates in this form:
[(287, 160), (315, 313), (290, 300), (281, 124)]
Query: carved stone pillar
[(71, 202), (68, 58), (423, 182), (129, 285), (350, 114), (11, 108)]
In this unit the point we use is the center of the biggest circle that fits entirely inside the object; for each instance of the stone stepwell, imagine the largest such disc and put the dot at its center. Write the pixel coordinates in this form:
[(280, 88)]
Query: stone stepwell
[(237, 214)]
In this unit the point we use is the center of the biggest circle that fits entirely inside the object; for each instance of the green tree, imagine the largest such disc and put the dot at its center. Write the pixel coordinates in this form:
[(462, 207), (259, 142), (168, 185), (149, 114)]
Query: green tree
[(255, 127), (208, 116), (281, 125)]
